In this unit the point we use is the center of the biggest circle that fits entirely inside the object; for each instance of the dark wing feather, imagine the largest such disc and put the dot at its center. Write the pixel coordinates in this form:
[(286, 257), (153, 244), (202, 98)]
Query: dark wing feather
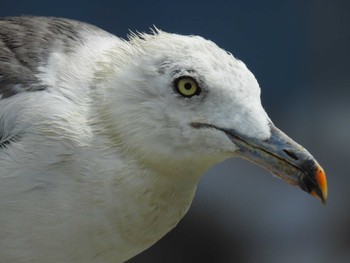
[(26, 42)]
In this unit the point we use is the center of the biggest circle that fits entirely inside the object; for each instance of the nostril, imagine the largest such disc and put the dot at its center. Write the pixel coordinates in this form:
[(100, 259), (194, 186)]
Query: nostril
[(291, 155)]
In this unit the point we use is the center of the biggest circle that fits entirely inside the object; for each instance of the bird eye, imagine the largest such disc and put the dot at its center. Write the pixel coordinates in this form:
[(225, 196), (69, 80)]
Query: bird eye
[(187, 87)]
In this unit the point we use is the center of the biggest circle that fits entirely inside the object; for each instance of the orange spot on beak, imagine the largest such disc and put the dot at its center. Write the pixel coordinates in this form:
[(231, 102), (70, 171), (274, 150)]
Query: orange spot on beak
[(322, 184)]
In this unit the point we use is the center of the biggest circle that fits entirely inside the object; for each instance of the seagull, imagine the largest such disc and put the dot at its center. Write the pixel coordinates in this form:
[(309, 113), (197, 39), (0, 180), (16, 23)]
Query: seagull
[(104, 140)]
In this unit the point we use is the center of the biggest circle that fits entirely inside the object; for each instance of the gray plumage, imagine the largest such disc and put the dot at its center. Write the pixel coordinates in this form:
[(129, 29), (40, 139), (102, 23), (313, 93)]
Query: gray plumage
[(26, 42)]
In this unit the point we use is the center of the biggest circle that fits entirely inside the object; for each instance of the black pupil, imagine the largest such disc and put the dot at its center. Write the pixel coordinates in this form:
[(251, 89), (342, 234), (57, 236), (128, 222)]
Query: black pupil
[(188, 86)]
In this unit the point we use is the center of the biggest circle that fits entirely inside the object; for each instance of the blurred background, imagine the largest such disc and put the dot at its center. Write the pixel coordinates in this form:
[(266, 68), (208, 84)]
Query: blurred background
[(300, 53)]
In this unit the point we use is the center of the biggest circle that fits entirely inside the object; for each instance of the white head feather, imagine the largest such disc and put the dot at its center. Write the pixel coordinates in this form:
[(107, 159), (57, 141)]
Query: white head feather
[(153, 120)]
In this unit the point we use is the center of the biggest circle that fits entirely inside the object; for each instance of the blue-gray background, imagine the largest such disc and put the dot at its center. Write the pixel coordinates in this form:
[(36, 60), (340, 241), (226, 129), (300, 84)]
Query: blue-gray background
[(299, 51)]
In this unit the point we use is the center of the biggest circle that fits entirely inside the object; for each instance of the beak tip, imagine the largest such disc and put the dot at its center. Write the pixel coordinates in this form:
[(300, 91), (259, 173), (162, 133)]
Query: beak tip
[(321, 181), (320, 189), (314, 181)]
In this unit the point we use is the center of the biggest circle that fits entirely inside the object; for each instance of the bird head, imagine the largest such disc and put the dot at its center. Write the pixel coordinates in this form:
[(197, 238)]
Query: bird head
[(182, 103)]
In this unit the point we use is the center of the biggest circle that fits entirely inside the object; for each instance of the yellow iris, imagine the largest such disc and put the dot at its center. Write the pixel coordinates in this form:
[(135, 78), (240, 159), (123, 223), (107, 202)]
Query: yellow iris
[(187, 87)]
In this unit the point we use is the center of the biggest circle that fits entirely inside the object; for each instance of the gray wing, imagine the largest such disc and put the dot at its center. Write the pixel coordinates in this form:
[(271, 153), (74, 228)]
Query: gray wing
[(25, 44)]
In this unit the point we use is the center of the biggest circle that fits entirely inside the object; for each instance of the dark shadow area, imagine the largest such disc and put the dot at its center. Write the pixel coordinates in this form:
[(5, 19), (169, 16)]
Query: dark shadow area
[(199, 237)]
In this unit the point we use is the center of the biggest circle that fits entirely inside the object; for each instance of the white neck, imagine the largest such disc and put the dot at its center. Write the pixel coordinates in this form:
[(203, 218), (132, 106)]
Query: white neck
[(140, 205)]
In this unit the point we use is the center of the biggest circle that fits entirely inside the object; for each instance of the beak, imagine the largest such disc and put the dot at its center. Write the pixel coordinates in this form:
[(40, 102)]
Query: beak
[(282, 157), (286, 159)]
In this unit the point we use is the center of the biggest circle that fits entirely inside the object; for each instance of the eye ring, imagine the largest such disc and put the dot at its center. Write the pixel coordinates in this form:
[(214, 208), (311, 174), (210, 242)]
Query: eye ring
[(187, 87)]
